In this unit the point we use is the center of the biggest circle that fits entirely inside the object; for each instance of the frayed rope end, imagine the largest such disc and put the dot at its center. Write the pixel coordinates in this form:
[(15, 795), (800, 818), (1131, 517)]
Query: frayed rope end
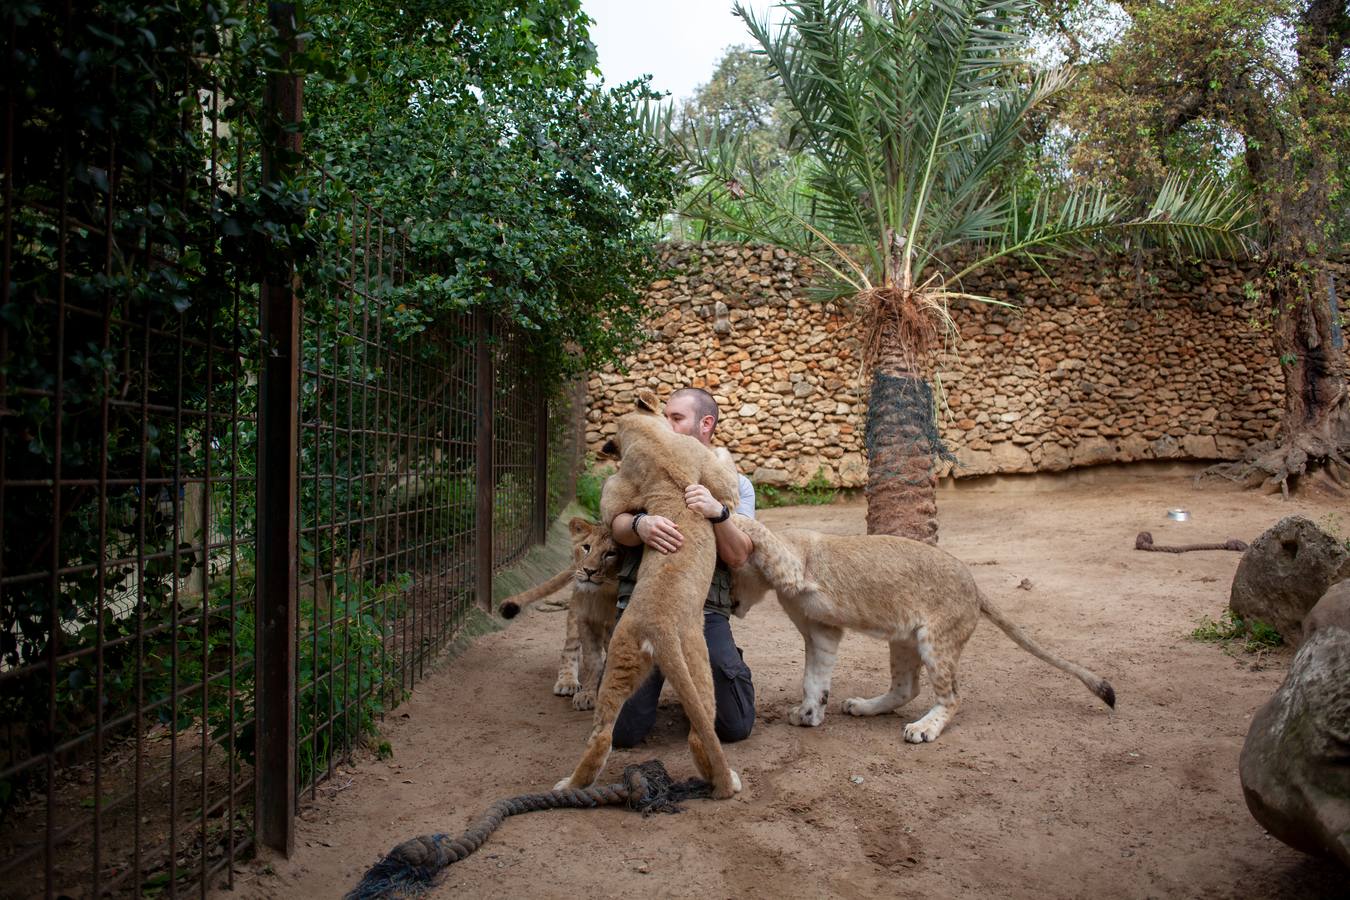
[(409, 870)]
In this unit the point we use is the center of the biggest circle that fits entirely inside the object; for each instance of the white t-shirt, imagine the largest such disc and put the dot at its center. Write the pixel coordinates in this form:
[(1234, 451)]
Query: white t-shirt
[(746, 505)]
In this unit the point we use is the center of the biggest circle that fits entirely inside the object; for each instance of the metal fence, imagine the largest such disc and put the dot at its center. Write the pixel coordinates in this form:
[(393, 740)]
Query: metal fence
[(236, 522)]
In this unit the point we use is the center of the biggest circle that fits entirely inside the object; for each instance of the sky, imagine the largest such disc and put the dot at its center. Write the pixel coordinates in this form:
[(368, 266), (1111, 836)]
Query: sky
[(677, 42)]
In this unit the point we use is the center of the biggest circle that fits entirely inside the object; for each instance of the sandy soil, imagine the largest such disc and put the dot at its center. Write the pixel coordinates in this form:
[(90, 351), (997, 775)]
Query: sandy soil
[(1036, 790)]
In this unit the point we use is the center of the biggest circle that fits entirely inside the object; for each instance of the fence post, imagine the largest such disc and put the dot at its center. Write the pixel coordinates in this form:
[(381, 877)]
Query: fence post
[(541, 470), (278, 454), (486, 474)]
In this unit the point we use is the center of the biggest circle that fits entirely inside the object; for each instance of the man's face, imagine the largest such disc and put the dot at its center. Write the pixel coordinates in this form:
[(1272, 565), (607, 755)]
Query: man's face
[(683, 418)]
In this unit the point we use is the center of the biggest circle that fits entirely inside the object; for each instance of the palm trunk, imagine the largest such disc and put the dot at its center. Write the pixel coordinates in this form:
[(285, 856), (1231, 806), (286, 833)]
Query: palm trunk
[(903, 448)]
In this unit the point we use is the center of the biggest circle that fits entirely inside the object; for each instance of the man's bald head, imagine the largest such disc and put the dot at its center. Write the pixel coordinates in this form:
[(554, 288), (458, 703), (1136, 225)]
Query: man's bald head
[(692, 411)]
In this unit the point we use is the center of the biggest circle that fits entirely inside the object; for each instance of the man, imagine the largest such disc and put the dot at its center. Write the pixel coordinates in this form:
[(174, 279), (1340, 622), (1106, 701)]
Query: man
[(693, 412)]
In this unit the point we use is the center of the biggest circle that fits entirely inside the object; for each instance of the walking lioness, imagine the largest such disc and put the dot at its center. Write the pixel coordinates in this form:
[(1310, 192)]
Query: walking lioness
[(921, 600), (663, 623)]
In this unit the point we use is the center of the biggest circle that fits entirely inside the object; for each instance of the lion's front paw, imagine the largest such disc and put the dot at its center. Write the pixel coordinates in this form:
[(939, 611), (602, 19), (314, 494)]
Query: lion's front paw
[(855, 706), (564, 785), (808, 715), (582, 700), (926, 729), (566, 685)]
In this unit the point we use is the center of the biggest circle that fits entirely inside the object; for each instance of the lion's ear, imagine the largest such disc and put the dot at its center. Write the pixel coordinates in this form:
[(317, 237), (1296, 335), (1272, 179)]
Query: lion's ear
[(579, 526), (647, 402)]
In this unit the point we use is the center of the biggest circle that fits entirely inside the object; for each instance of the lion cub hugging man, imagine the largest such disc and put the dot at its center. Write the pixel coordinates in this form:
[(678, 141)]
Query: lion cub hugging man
[(663, 623)]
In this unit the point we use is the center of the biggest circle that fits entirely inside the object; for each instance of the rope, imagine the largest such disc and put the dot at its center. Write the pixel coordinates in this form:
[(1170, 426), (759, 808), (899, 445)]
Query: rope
[(414, 865), (1144, 541)]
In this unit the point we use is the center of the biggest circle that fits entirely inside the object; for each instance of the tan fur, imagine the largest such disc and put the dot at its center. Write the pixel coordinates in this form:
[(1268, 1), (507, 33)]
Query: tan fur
[(591, 609), (919, 599), (663, 624)]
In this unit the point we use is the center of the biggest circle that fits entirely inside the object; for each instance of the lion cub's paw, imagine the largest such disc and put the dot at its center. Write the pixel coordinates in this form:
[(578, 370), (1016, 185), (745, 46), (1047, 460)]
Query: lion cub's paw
[(582, 700), (856, 706), (566, 685), (808, 716), (926, 729)]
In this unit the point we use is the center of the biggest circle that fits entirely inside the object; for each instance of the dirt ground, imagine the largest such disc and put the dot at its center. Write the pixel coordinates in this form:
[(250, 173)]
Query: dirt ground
[(1036, 790)]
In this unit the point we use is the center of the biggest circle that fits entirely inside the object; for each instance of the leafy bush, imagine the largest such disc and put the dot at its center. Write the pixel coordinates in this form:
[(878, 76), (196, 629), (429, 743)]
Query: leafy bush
[(589, 484), (816, 492), (1230, 629)]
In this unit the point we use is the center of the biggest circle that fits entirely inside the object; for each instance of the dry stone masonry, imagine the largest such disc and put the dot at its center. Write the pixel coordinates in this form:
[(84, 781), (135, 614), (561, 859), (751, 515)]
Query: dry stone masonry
[(1098, 361)]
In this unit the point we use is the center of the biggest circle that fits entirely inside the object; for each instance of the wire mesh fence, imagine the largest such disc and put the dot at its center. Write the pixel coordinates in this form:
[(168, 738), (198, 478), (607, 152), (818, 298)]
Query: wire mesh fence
[(134, 374)]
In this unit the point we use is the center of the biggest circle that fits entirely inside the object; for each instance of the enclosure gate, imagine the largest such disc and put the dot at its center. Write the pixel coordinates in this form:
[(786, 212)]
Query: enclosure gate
[(237, 521)]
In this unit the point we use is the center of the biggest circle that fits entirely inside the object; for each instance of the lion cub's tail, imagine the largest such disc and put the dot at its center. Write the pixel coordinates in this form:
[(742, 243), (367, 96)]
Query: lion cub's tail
[(512, 606), (1095, 683)]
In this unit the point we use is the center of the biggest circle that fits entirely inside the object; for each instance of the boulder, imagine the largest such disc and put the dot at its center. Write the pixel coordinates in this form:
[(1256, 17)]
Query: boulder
[(1284, 572), (1295, 763)]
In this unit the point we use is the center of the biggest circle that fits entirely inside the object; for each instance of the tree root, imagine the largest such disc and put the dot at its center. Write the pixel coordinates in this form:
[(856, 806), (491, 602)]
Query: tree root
[(1271, 467)]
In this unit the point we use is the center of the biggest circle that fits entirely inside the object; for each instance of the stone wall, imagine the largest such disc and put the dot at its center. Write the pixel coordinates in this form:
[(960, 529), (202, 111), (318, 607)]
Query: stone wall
[(1104, 363)]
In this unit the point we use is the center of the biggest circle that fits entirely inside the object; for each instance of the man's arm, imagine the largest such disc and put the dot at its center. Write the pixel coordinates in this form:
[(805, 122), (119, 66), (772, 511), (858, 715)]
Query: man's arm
[(733, 545), (654, 531)]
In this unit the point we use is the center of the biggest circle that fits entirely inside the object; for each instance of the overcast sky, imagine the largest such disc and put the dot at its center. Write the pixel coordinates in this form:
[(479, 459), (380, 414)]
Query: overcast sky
[(677, 42)]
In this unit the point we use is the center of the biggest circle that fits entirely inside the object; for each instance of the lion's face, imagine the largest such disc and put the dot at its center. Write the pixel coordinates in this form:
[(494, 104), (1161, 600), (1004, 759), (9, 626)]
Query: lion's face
[(595, 555)]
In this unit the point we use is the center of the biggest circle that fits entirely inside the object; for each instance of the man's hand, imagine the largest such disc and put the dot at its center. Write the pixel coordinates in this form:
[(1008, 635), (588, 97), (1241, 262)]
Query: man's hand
[(659, 533), (700, 500)]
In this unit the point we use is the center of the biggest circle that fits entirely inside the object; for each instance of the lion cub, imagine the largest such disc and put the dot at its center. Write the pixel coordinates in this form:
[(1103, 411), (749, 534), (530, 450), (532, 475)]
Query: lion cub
[(921, 600), (591, 610), (664, 621)]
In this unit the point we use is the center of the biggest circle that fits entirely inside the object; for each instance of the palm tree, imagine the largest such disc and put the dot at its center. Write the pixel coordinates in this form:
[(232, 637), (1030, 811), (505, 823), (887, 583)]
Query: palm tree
[(907, 113)]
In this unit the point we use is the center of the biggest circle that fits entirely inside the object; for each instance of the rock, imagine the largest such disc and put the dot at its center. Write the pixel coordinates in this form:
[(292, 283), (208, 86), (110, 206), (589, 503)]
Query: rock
[(852, 470), (770, 476), (1295, 763), (1008, 457), (1200, 446), (1092, 452), (1283, 574)]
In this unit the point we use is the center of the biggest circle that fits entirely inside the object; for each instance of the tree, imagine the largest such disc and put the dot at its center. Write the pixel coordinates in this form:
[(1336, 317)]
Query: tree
[(744, 102), (907, 110), (526, 188), (1260, 87)]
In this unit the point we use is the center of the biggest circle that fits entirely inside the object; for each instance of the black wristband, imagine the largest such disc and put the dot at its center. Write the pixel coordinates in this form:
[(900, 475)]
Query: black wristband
[(633, 524), (726, 514)]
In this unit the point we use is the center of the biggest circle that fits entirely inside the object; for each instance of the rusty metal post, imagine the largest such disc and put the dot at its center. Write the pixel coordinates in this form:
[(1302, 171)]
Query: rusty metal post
[(541, 469), (486, 480), (278, 455)]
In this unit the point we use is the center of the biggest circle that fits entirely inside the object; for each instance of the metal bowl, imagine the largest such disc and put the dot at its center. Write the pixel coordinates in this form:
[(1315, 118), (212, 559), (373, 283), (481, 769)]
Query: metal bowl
[(1178, 514)]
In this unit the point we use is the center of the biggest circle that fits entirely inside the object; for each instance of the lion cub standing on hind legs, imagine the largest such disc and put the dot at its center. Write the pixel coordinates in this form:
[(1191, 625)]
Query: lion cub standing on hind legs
[(663, 624), (920, 599)]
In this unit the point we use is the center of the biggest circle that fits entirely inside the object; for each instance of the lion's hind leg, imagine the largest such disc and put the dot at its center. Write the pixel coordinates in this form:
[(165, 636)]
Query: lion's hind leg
[(568, 664), (940, 660), (905, 666), (690, 674), (626, 667)]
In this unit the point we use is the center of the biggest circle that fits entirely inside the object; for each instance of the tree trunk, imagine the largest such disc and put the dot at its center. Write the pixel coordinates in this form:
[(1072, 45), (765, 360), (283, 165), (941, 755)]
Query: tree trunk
[(903, 448), (1315, 431)]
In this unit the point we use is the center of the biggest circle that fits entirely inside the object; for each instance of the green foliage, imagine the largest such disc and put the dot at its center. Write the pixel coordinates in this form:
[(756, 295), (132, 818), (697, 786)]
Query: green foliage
[(816, 492), (1230, 629), (907, 112), (589, 483), (1253, 91), (527, 188)]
